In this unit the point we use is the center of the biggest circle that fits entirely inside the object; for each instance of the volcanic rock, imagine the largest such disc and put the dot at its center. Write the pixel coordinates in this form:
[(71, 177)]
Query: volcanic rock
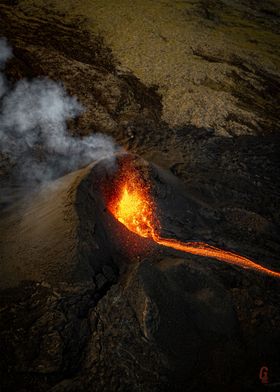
[(168, 318), (82, 308)]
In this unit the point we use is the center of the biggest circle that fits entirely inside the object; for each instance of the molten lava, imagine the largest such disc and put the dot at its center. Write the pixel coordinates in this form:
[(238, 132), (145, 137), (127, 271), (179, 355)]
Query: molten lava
[(134, 211), (132, 205)]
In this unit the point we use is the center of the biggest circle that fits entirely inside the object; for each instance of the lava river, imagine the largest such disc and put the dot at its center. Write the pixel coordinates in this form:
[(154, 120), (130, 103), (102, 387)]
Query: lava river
[(133, 206)]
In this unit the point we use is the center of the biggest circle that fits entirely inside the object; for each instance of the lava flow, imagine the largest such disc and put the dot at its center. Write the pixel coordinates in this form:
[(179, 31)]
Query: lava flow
[(132, 205)]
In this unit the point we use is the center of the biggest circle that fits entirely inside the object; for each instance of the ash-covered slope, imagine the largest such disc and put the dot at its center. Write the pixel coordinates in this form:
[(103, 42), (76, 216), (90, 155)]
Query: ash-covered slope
[(51, 236)]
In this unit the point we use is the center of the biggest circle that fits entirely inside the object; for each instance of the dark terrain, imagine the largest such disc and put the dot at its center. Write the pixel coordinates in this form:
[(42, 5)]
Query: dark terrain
[(80, 308)]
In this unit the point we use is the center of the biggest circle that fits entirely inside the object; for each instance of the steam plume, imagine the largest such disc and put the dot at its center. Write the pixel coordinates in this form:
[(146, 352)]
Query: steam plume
[(5, 54), (33, 130)]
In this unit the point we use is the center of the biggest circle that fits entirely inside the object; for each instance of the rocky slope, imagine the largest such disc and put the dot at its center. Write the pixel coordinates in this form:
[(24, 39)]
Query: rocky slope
[(216, 63)]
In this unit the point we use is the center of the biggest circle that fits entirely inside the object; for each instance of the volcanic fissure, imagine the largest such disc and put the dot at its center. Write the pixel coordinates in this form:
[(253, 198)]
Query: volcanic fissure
[(132, 205)]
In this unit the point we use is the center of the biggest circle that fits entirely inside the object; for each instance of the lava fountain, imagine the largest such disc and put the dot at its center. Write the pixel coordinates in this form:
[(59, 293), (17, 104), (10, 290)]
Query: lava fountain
[(133, 206)]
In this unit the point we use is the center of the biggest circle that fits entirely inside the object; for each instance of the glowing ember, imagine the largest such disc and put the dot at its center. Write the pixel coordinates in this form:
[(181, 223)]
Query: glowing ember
[(133, 207)]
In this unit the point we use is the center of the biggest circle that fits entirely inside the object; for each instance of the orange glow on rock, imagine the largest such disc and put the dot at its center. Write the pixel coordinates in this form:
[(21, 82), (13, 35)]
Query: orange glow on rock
[(133, 206)]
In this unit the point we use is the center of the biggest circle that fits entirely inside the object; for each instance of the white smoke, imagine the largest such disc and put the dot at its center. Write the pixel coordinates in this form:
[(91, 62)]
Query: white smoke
[(5, 51), (33, 129), (5, 54)]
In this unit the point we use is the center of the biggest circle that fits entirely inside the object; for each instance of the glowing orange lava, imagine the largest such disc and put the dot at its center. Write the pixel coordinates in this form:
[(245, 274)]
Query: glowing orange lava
[(134, 208)]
